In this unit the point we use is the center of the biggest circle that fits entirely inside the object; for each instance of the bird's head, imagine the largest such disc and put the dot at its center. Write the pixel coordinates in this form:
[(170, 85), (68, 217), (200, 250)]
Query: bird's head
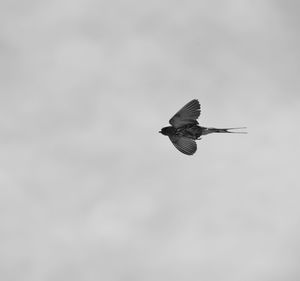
[(166, 131)]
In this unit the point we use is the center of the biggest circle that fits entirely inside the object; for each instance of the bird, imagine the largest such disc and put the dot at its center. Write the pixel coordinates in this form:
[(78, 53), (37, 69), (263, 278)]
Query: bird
[(185, 129)]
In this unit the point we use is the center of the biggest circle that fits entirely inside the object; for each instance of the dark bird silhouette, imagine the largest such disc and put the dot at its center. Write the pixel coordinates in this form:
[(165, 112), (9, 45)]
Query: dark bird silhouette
[(185, 129)]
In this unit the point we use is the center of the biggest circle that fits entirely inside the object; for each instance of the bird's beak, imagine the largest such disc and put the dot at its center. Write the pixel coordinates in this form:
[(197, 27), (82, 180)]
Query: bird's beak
[(159, 131)]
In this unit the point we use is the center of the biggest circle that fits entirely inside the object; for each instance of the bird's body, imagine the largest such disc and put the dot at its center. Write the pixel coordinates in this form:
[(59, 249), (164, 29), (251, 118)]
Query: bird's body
[(185, 129), (191, 131)]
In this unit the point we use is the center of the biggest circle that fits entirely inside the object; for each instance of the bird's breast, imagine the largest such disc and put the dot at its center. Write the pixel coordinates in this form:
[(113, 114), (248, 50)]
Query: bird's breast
[(189, 131)]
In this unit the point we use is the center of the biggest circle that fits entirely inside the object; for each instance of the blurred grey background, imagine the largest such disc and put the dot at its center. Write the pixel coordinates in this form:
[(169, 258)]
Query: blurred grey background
[(90, 191)]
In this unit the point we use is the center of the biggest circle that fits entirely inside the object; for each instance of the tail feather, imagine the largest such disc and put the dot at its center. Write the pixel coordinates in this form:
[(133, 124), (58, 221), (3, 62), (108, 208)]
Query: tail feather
[(207, 131)]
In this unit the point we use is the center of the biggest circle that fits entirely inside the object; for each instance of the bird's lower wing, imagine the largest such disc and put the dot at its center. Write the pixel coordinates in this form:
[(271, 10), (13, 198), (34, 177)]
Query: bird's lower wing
[(185, 145)]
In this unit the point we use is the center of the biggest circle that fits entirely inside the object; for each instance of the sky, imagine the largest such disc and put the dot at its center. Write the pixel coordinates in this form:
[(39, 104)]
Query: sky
[(89, 190)]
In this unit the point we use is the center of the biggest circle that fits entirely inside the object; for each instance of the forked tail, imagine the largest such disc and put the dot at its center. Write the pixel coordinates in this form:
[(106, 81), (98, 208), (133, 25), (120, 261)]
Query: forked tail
[(207, 131)]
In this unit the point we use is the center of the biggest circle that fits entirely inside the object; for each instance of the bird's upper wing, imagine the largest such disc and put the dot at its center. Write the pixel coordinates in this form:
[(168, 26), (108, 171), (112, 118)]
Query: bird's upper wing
[(185, 145), (186, 115)]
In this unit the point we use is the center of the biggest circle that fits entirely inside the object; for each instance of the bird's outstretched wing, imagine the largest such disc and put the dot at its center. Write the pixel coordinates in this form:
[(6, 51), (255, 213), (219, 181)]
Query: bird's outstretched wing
[(185, 145), (186, 115)]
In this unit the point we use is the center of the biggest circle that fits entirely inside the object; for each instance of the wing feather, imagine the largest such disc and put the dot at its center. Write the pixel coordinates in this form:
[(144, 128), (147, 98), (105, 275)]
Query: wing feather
[(187, 114), (185, 145)]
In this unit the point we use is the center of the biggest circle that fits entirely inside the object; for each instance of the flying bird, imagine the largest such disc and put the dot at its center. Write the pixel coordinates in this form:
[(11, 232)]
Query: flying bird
[(184, 129)]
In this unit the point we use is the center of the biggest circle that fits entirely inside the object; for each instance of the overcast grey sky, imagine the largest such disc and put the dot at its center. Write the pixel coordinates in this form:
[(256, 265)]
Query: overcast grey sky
[(90, 191)]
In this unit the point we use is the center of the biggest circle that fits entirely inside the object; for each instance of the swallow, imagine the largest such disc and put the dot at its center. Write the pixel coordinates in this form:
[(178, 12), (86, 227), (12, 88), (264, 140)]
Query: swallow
[(184, 129)]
